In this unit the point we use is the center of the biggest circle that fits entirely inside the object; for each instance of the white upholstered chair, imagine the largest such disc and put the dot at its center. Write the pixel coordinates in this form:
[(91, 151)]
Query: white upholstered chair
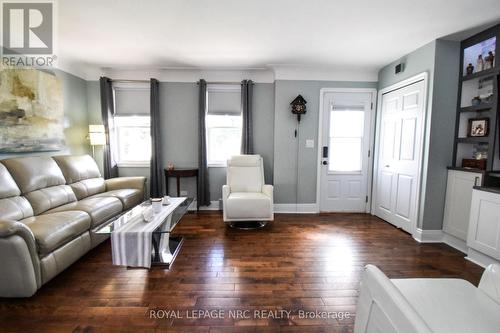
[(245, 197), (428, 305)]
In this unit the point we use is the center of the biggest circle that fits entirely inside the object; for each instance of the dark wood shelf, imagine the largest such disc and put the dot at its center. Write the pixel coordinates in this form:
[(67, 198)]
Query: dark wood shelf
[(483, 139), (486, 72), (464, 147), (478, 108)]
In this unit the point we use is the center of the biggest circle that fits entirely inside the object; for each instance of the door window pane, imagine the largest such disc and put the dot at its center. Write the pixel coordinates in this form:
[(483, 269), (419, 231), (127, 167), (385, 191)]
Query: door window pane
[(345, 154), (346, 139), (347, 124)]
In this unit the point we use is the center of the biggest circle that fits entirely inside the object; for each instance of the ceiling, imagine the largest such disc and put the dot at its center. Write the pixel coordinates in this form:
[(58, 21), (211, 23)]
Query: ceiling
[(225, 34)]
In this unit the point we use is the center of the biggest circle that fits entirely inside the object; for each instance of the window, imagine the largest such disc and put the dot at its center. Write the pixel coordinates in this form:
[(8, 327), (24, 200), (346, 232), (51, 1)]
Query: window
[(133, 138), (346, 139), (223, 123)]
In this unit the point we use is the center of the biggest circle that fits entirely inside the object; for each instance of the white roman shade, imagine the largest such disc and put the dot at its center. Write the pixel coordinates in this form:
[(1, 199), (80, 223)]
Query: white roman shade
[(224, 99), (131, 99)]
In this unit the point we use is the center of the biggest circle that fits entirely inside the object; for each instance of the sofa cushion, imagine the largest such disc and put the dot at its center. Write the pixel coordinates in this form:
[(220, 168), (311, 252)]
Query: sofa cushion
[(82, 174), (451, 305), (54, 230), (8, 187), (47, 198), (100, 209), (128, 197), (34, 173), (241, 205), (40, 181), (245, 173), (12, 205)]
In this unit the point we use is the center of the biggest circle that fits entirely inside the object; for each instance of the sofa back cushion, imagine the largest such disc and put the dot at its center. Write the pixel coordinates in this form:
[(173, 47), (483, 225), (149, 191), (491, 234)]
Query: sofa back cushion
[(245, 173), (40, 181), (82, 174), (12, 205)]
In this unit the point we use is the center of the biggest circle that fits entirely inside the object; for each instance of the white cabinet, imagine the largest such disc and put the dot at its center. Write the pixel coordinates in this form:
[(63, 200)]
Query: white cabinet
[(484, 228), (458, 201)]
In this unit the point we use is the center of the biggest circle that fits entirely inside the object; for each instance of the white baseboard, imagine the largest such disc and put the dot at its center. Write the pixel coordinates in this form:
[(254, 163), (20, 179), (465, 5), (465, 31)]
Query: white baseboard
[(455, 242), (480, 259), (295, 208), (428, 236), (214, 205), (278, 208)]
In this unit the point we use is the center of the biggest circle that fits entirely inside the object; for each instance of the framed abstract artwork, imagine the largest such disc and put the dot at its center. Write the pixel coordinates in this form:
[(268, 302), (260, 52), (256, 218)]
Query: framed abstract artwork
[(31, 111)]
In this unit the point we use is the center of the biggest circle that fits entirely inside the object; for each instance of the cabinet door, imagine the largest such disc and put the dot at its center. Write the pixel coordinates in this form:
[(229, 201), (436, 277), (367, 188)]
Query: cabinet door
[(458, 202), (484, 230)]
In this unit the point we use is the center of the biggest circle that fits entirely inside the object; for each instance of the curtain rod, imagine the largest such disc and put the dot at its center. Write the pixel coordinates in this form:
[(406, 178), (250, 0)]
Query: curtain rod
[(147, 81), (129, 81), (220, 82)]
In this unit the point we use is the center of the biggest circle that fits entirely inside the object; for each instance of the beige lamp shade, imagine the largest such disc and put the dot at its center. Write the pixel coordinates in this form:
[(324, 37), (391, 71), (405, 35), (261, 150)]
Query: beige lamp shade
[(96, 135)]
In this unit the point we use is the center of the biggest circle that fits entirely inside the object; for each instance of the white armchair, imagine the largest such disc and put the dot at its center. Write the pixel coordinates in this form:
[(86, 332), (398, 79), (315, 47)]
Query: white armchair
[(428, 305), (245, 197)]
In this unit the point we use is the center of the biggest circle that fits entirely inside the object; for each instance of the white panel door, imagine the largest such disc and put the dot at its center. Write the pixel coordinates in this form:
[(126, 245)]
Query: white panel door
[(400, 145), (346, 139)]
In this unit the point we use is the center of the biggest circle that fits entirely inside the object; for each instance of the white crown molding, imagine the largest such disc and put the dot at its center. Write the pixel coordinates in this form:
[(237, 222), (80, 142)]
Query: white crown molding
[(258, 75), (85, 72), (324, 73), (266, 74)]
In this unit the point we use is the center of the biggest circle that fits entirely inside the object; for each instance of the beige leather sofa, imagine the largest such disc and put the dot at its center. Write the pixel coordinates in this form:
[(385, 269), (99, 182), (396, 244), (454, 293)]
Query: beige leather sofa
[(48, 209)]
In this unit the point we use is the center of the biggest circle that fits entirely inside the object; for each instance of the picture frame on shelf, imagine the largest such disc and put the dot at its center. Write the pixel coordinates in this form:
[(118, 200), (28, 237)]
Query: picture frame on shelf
[(478, 127)]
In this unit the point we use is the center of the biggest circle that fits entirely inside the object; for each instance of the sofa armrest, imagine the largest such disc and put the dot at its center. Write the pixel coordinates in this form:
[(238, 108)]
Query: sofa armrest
[(120, 183), (20, 274), (268, 190), (490, 282)]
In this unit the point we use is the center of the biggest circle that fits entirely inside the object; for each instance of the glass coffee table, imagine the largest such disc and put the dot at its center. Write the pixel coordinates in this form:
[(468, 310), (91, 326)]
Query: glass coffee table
[(165, 247)]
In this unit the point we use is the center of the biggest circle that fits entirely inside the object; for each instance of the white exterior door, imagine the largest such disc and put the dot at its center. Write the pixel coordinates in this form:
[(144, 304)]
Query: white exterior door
[(400, 146), (345, 141)]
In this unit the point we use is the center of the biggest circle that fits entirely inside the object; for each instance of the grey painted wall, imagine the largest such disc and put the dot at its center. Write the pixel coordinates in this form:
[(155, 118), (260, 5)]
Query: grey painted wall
[(286, 146), (442, 133), (440, 59), (179, 123), (75, 114)]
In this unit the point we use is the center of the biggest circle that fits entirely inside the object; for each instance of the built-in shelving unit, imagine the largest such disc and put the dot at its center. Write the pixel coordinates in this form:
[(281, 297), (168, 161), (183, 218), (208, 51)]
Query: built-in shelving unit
[(478, 97)]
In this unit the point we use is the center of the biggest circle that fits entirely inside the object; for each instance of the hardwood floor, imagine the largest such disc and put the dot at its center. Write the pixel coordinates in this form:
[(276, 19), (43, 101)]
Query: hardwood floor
[(300, 262)]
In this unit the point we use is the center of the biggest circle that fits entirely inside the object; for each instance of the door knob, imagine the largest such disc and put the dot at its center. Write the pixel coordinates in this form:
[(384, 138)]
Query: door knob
[(387, 166), (325, 162)]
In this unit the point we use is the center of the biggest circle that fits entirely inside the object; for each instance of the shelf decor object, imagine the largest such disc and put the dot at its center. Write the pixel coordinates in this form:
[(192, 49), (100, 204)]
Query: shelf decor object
[(476, 127), (479, 127)]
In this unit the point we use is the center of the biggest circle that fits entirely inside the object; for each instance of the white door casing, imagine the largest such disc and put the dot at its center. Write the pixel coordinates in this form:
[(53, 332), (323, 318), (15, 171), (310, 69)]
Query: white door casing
[(399, 153), (347, 190)]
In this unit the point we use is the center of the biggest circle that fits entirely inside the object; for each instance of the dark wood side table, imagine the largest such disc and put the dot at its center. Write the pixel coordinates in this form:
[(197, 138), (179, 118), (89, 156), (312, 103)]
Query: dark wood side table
[(179, 173)]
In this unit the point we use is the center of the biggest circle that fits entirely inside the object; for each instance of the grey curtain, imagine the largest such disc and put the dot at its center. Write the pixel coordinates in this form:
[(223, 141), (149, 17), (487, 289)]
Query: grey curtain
[(156, 170), (246, 109), (107, 111), (203, 195)]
